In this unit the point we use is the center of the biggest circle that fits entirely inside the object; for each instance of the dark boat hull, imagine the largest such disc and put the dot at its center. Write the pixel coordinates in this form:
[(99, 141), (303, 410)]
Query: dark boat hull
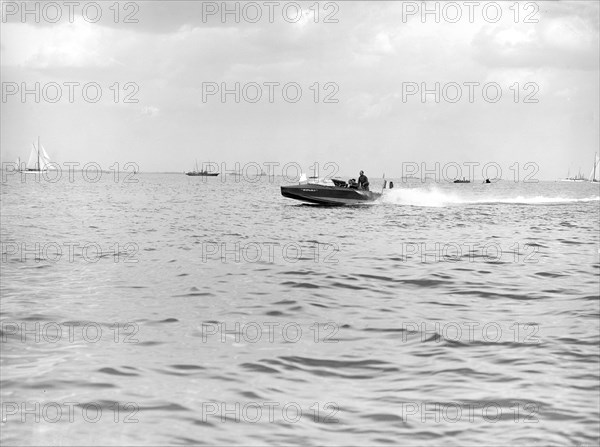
[(202, 174), (328, 195)]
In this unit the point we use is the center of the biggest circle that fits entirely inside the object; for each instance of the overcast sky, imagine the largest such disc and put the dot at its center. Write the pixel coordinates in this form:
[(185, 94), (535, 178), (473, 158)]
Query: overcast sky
[(370, 53)]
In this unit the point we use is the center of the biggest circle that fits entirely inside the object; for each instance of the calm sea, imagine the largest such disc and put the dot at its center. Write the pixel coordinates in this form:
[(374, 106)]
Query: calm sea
[(180, 310)]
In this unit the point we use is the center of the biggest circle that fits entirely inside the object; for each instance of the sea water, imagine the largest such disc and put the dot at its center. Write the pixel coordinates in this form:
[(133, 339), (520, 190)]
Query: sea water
[(179, 310)]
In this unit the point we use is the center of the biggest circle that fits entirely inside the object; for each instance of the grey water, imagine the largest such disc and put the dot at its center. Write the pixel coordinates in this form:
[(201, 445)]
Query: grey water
[(176, 310)]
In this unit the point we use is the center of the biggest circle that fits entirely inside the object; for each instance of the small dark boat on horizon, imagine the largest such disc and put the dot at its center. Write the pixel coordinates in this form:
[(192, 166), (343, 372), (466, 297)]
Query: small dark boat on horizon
[(202, 173), (464, 180)]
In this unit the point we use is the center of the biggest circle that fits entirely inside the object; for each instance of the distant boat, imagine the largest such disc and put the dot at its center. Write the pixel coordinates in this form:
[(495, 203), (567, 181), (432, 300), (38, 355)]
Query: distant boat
[(464, 180), (239, 174), (202, 173), (595, 173), (578, 178), (39, 160)]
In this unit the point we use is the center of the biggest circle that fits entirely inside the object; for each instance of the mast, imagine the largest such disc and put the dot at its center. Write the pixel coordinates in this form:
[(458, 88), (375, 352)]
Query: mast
[(595, 163), (38, 151)]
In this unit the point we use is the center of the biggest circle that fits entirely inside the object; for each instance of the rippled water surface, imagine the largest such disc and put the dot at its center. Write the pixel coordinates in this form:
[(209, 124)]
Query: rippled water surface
[(204, 311)]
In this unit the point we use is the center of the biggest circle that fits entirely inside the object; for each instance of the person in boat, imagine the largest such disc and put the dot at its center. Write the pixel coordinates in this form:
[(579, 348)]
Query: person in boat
[(363, 181), (352, 183)]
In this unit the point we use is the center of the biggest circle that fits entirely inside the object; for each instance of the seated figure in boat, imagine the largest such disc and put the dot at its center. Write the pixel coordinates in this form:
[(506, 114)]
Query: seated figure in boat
[(363, 181), (352, 184)]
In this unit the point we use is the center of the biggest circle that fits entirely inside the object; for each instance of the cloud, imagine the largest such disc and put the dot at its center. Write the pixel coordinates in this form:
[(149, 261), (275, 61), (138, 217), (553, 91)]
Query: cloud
[(568, 42), (69, 45)]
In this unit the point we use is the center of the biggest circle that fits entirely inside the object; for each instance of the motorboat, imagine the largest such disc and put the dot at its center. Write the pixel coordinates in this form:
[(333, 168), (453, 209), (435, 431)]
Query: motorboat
[(329, 195), (333, 192)]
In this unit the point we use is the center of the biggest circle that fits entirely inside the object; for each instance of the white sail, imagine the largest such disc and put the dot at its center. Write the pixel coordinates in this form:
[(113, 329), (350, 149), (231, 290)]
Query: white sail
[(595, 172), (44, 159), (32, 163)]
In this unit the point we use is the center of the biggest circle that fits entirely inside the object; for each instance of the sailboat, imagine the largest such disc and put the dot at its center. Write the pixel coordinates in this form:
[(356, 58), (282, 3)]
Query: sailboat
[(595, 173), (578, 178), (203, 173), (39, 160)]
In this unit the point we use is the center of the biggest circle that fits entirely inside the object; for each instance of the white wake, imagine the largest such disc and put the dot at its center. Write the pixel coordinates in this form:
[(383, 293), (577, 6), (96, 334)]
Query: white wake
[(437, 198)]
